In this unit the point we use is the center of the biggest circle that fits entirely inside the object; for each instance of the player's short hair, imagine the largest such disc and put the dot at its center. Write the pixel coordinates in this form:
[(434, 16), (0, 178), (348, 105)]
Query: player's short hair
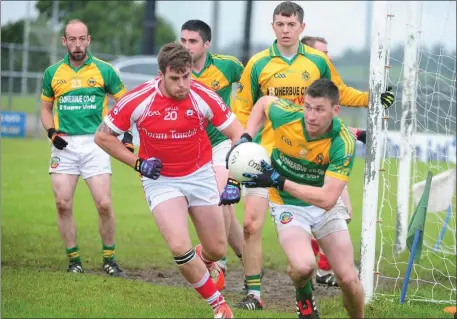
[(175, 56), (326, 89), (287, 9), (73, 21), (310, 41), (198, 26)]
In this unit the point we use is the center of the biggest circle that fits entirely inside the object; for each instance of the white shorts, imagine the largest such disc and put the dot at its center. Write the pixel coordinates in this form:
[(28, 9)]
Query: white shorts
[(312, 219), (220, 152), (257, 191), (199, 188), (80, 157)]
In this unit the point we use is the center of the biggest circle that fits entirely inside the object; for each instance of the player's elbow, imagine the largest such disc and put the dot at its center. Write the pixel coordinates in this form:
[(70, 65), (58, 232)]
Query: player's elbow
[(100, 139), (328, 201)]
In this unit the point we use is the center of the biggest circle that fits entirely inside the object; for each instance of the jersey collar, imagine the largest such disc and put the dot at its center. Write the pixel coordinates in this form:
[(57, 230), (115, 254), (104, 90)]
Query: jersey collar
[(88, 61), (336, 128), (274, 51), (208, 62)]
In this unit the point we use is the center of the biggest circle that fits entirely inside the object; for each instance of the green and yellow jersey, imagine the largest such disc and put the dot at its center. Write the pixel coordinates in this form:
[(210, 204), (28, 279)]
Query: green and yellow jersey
[(269, 73), (219, 73), (80, 95), (304, 160)]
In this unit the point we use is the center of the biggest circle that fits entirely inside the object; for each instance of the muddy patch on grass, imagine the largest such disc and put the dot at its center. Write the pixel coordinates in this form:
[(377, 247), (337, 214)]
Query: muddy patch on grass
[(278, 293)]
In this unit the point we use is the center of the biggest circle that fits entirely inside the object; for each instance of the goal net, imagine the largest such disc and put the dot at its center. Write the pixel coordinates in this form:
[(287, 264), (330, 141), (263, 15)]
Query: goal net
[(418, 135)]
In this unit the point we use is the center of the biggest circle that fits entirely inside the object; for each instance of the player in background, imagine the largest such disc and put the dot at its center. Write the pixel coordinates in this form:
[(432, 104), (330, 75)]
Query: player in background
[(312, 157), (324, 274), (78, 86), (284, 70), (171, 113), (218, 72)]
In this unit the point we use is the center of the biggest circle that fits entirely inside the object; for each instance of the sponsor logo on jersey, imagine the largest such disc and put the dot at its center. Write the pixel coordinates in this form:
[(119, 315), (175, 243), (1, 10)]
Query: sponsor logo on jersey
[(286, 217), (286, 91), (61, 82), (91, 82), (55, 161), (279, 75), (215, 85)]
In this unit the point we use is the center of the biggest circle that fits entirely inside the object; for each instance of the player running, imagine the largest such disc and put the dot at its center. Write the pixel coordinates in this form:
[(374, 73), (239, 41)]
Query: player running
[(218, 72), (324, 273), (171, 113), (312, 157), (78, 85), (284, 70)]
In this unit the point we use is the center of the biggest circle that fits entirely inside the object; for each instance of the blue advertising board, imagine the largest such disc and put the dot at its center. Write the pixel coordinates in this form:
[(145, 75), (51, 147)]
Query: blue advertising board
[(13, 124)]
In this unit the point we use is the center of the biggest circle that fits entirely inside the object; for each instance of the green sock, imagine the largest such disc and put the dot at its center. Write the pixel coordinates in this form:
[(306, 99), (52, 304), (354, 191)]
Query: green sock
[(306, 292), (73, 254), (253, 283), (108, 253)]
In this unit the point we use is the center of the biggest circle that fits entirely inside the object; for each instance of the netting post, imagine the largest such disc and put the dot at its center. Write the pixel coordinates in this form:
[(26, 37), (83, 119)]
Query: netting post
[(373, 147), (408, 120)]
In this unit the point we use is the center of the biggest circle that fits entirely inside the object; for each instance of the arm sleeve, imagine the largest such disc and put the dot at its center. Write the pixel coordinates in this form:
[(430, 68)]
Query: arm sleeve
[(47, 93), (247, 93), (115, 87), (119, 118), (342, 154)]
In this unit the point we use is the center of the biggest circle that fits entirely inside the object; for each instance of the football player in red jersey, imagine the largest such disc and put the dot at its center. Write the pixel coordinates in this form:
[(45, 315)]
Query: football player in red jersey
[(171, 113)]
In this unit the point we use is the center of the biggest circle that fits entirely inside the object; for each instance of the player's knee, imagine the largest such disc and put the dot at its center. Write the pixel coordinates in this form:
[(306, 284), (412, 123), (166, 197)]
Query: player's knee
[(104, 206), (216, 249), (179, 247), (251, 225), (301, 270), (347, 278), (64, 206)]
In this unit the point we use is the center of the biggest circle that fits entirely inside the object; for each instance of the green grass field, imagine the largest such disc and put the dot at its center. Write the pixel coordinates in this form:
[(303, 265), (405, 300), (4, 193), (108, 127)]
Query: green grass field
[(35, 284)]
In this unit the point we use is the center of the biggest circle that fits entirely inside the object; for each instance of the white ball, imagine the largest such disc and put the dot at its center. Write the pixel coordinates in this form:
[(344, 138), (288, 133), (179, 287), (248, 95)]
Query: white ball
[(246, 158)]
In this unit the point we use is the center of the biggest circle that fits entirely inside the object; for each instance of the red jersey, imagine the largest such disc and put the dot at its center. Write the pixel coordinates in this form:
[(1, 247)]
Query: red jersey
[(173, 131)]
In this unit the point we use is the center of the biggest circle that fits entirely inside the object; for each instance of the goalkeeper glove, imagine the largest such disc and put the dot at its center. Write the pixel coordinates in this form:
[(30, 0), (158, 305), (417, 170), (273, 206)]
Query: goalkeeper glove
[(231, 194), (127, 140), (149, 168), (269, 178), (56, 140), (243, 139), (387, 98)]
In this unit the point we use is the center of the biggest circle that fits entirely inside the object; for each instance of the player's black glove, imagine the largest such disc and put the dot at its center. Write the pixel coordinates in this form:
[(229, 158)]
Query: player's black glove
[(56, 140), (269, 178), (243, 139), (127, 140), (387, 98), (231, 193), (149, 168), (361, 136)]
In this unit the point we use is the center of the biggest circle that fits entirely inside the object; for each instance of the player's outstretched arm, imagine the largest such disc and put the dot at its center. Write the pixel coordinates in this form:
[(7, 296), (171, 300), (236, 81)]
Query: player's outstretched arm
[(107, 139)]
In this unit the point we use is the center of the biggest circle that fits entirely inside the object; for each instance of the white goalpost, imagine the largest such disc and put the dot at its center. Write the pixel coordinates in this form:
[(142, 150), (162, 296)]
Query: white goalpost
[(414, 136)]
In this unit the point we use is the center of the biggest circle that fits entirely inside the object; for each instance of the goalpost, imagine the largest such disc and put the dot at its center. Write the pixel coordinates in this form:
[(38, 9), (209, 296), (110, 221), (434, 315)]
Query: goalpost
[(415, 135)]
